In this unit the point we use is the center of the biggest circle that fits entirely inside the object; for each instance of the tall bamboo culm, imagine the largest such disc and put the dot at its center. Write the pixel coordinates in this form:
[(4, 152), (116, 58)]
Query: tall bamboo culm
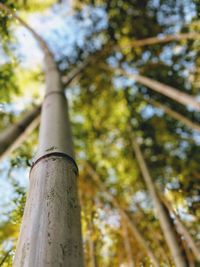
[(50, 233), (166, 224)]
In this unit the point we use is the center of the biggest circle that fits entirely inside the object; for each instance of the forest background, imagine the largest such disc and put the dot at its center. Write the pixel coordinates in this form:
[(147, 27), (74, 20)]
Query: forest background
[(131, 73)]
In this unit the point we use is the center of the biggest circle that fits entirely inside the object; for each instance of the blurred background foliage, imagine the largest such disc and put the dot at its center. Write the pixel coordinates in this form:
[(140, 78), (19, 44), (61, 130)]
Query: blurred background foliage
[(104, 106)]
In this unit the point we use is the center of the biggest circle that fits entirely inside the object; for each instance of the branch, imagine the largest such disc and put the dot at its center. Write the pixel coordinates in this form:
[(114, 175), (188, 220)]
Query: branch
[(163, 39), (66, 80), (47, 53), (127, 244), (164, 89), (14, 135), (174, 114), (5, 257), (91, 59), (166, 224), (183, 230), (41, 42), (137, 234)]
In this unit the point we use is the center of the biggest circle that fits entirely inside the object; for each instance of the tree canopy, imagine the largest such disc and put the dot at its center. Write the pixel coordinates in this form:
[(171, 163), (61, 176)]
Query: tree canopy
[(108, 45)]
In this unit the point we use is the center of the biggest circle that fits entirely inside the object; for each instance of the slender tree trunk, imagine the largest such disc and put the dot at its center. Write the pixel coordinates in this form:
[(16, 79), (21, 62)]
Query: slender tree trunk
[(164, 89), (139, 237), (14, 135), (91, 243), (50, 233), (168, 91), (164, 39), (175, 115), (156, 236), (138, 261), (136, 233), (166, 224), (7, 254), (183, 230), (127, 244), (92, 59), (92, 251), (189, 254)]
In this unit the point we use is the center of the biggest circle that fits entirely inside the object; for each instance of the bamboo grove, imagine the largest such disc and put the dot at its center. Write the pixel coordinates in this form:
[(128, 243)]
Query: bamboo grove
[(108, 132)]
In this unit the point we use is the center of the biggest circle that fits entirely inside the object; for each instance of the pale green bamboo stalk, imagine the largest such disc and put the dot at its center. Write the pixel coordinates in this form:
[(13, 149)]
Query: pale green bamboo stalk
[(17, 133), (164, 89), (127, 244), (164, 39), (175, 115), (165, 222), (50, 233), (139, 237), (183, 230)]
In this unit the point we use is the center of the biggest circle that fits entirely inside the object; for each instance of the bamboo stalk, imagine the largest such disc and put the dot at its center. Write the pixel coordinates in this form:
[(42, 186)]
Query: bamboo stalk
[(183, 230), (177, 253), (50, 233), (175, 115), (163, 39), (17, 133), (127, 244), (164, 89), (139, 237)]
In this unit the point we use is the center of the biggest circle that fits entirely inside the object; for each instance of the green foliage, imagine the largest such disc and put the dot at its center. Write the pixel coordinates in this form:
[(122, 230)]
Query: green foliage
[(104, 107), (35, 5), (5, 20), (9, 229), (7, 82)]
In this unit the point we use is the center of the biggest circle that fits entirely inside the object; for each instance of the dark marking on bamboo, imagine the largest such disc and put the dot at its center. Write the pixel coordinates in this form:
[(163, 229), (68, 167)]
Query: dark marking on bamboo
[(57, 154), (51, 148)]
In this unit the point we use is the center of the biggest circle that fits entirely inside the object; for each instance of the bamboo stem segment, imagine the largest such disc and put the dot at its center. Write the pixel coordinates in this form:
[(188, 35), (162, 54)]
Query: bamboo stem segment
[(166, 224), (50, 233)]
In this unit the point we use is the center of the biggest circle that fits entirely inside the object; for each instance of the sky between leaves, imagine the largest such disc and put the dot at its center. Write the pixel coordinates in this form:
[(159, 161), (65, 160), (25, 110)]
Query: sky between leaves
[(64, 33)]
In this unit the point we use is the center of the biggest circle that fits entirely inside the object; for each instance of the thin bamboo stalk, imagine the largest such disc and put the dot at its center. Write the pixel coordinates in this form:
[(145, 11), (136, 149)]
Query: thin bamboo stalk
[(175, 115), (17, 133), (164, 89), (183, 230), (139, 237), (164, 39), (169, 232)]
